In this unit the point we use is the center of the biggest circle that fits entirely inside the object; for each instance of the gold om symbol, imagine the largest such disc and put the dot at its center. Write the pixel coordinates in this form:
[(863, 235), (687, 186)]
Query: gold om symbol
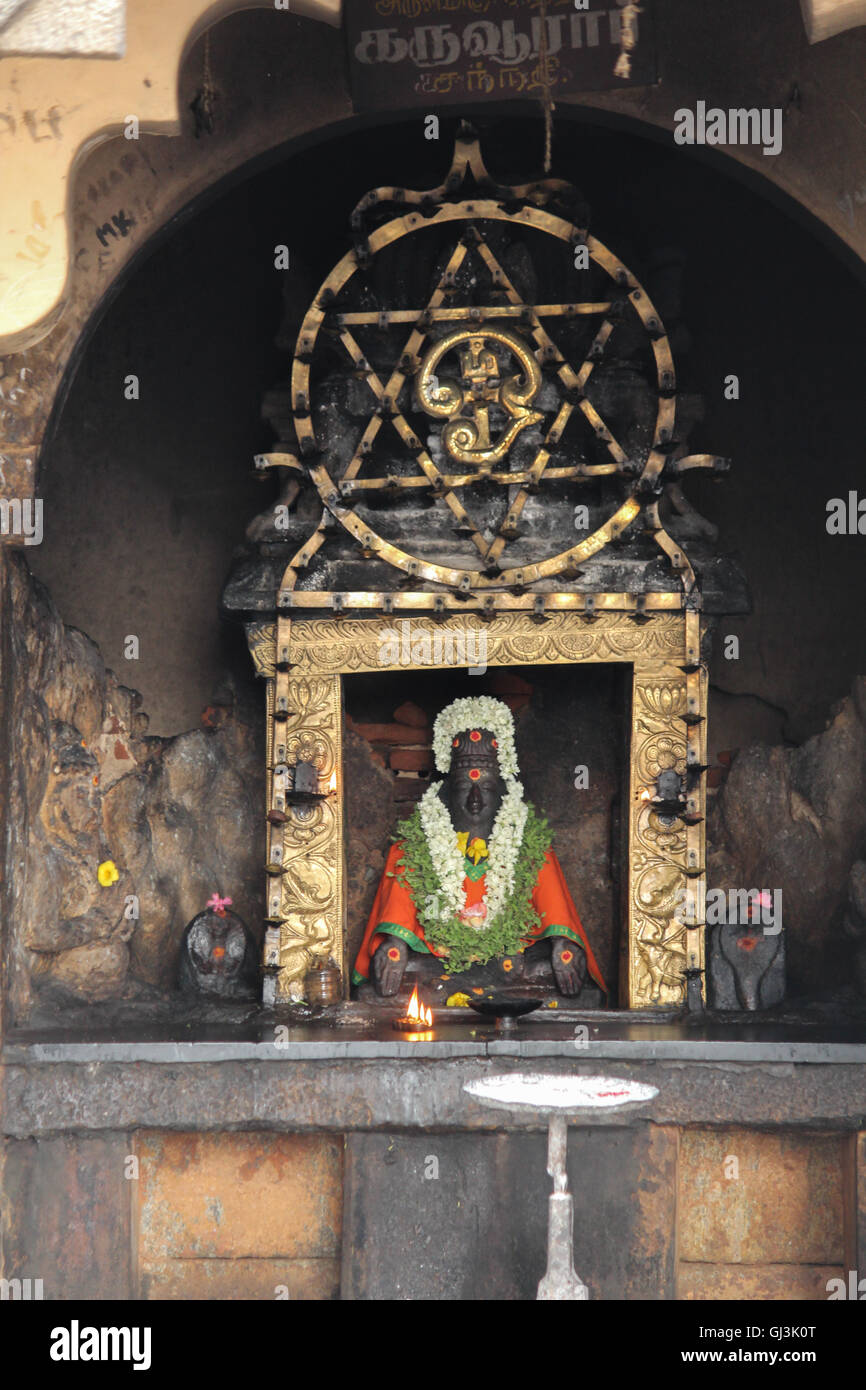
[(466, 406)]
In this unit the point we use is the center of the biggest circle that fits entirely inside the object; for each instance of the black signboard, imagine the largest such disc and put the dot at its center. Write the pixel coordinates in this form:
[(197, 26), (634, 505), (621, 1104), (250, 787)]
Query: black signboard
[(431, 52)]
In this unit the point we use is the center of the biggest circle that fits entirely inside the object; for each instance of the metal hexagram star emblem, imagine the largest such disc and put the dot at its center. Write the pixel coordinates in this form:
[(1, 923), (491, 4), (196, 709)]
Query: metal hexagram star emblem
[(482, 335)]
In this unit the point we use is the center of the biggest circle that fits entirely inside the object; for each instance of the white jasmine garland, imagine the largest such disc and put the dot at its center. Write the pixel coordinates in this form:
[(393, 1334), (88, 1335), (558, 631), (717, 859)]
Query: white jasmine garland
[(505, 841), (503, 848), (477, 712), (446, 858)]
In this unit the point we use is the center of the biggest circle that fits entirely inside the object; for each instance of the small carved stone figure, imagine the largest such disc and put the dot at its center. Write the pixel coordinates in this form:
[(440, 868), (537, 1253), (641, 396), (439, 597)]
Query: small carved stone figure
[(854, 919), (218, 955), (473, 882), (746, 966)]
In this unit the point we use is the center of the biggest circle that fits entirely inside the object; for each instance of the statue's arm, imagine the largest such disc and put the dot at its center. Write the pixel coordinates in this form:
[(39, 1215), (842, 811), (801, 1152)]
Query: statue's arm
[(559, 916), (392, 919)]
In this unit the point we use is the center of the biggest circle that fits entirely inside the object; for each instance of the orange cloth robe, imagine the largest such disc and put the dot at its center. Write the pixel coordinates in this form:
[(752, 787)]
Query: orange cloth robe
[(393, 913)]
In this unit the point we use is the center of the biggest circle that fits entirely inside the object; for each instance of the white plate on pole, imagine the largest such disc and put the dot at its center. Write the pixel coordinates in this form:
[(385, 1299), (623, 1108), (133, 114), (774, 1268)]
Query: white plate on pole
[(563, 1095)]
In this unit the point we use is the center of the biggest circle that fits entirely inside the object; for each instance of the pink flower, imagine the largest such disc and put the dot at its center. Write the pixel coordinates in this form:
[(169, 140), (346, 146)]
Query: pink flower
[(218, 904)]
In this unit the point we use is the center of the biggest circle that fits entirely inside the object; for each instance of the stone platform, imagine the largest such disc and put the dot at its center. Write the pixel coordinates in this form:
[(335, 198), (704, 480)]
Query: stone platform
[(349, 1162)]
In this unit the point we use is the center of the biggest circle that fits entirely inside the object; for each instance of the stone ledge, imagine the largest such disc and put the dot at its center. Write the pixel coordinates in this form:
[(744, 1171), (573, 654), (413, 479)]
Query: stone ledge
[(303, 1045), (339, 1096)]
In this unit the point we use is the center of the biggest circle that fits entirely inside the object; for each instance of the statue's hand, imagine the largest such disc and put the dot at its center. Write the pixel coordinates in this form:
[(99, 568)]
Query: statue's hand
[(569, 965), (389, 962)]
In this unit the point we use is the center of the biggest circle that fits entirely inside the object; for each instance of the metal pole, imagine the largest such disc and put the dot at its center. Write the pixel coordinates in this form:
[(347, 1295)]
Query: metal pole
[(560, 1281)]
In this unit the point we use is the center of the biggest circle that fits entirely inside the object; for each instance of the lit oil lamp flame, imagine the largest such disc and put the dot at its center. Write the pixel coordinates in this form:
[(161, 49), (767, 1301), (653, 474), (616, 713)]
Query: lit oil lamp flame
[(417, 1010), (646, 795), (332, 781), (417, 1020)]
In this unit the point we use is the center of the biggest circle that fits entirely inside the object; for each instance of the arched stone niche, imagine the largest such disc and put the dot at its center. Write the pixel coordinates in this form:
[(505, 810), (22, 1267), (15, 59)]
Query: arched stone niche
[(634, 175), (85, 200)]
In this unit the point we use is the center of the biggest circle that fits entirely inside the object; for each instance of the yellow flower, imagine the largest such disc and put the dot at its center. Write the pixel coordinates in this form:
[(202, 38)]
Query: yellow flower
[(107, 873), (457, 1001), (475, 849), (553, 1004)]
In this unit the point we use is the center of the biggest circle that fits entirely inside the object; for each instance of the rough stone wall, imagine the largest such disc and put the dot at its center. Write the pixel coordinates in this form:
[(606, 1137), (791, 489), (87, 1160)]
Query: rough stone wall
[(795, 819), (180, 817)]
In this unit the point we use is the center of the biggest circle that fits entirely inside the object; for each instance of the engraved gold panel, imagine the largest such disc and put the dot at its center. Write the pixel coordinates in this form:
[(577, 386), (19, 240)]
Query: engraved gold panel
[(308, 894), (659, 946), (347, 645)]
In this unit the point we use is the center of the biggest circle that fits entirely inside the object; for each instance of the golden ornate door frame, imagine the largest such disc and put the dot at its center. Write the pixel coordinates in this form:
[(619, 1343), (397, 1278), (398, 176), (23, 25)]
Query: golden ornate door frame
[(303, 661)]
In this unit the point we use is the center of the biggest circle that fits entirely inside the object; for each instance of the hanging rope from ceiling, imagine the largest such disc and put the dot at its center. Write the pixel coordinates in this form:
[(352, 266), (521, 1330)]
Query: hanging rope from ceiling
[(547, 103), (627, 39)]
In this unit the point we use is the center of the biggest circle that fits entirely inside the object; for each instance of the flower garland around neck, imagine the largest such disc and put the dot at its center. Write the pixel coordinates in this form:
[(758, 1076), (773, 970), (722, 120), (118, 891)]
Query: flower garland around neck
[(433, 869)]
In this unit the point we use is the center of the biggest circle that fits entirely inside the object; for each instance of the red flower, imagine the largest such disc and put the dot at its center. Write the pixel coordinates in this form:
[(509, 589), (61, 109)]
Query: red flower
[(474, 774), (475, 736)]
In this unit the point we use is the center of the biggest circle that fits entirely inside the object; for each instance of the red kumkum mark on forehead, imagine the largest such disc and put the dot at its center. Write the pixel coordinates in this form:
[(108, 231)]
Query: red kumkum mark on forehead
[(393, 953), (474, 774), (747, 943)]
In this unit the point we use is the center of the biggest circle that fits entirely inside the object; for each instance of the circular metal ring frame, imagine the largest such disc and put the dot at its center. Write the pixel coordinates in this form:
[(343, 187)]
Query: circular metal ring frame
[(465, 579)]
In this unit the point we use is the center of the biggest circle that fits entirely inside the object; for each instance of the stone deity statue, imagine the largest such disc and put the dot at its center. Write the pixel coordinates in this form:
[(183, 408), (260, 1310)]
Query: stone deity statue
[(472, 883)]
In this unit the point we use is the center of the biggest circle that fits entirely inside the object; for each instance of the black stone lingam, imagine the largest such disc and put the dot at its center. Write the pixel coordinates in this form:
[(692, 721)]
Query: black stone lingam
[(218, 957)]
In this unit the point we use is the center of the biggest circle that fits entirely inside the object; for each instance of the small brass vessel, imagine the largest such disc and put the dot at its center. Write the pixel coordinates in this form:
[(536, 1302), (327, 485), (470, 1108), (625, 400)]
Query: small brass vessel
[(322, 985)]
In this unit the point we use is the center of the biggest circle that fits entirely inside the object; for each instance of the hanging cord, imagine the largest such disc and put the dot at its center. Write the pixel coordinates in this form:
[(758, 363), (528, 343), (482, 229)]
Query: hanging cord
[(547, 103), (204, 102), (627, 39), (207, 70)]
